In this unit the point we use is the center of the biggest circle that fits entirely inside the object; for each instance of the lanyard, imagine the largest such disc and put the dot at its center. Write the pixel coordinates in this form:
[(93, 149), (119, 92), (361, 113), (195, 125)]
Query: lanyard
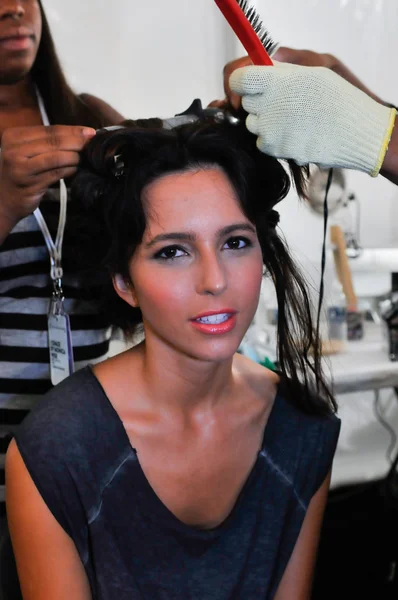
[(59, 331), (54, 248)]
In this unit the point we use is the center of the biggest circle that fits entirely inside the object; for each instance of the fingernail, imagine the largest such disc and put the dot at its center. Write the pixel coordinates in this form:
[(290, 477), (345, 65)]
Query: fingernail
[(88, 132)]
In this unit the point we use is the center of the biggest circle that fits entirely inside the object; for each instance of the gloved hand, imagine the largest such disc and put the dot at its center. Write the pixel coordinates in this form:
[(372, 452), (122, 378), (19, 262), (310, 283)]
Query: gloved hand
[(312, 115)]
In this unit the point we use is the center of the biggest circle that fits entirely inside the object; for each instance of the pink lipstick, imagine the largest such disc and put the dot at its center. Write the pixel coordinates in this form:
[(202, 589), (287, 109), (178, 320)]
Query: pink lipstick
[(215, 322)]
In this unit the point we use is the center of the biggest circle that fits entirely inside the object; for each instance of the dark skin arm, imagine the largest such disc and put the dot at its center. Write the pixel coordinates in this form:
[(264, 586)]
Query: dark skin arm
[(308, 58), (389, 169), (33, 158), (109, 114)]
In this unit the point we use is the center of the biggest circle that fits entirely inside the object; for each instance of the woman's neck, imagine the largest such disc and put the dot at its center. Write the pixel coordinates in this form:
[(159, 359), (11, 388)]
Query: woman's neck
[(182, 383)]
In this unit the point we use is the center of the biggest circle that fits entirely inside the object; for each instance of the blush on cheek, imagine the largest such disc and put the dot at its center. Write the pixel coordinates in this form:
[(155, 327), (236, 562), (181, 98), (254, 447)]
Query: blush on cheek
[(163, 296), (249, 279), (252, 298), (252, 294)]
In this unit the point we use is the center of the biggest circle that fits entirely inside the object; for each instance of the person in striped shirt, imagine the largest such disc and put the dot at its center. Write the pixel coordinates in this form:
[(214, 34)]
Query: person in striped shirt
[(33, 90)]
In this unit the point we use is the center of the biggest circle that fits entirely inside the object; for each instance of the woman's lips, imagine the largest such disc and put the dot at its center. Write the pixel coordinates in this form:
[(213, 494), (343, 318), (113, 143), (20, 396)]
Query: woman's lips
[(16, 43), (216, 324)]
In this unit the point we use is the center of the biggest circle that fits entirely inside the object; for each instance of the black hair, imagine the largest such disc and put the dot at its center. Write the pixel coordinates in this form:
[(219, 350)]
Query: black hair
[(62, 104), (117, 166)]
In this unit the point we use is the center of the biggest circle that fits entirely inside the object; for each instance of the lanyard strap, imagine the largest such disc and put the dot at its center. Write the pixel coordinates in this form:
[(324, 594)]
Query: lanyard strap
[(54, 248)]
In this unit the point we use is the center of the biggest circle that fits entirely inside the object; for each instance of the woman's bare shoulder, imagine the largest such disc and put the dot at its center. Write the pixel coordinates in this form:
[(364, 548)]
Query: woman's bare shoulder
[(262, 382), (120, 378)]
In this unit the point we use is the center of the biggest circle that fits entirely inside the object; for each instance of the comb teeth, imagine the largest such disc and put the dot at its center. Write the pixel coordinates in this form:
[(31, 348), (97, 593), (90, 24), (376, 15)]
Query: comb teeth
[(258, 26)]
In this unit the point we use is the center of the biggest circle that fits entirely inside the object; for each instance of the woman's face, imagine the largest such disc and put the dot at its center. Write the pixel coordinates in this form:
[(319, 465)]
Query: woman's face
[(20, 33), (197, 274)]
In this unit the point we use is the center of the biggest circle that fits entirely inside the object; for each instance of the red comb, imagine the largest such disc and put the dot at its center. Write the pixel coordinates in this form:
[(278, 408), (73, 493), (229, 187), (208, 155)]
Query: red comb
[(246, 23)]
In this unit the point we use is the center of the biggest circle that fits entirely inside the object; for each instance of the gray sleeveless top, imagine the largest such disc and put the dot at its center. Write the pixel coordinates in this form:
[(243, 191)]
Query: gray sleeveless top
[(132, 547)]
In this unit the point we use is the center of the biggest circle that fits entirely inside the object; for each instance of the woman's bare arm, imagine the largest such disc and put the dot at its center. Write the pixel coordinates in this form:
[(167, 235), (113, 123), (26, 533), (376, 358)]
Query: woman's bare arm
[(297, 580), (48, 563)]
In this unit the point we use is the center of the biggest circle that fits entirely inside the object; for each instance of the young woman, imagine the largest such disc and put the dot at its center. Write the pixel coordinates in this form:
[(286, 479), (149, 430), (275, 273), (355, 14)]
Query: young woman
[(179, 469)]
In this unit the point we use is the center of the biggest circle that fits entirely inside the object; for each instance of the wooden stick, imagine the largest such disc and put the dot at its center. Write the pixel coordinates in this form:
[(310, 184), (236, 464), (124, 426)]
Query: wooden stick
[(342, 266)]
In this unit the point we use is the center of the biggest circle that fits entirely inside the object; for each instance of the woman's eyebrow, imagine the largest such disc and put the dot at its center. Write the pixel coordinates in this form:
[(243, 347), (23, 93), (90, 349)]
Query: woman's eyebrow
[(191, 237), (172, 236), (236, 227)]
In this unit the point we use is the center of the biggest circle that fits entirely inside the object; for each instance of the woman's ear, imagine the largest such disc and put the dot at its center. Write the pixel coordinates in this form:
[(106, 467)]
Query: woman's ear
[(125, 290)]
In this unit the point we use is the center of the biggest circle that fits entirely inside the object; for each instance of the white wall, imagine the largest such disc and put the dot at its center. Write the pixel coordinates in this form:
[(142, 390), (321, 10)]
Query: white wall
[(146, 59)]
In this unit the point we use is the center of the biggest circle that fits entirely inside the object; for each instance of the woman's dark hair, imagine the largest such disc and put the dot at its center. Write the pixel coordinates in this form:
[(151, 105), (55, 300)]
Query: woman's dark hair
[(62, 104), (115, 169)]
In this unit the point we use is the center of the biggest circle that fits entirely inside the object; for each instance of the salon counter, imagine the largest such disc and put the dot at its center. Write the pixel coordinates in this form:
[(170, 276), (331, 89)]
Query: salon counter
[(363, 364), (362, 377)]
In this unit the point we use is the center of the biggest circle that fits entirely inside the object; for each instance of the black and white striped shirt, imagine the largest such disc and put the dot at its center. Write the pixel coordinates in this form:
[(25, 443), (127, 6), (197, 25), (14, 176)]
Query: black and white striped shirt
[(25, 292)]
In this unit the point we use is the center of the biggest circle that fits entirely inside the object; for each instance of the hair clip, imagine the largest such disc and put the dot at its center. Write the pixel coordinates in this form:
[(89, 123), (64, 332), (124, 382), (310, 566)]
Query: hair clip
[(111, 128), (118, 169)]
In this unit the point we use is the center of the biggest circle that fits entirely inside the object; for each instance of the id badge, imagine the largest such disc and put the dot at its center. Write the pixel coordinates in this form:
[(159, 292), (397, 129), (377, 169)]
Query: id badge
[(59, 343)]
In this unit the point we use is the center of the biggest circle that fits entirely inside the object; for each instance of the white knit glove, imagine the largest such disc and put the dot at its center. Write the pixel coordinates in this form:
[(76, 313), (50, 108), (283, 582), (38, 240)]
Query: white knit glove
[(312, 115)]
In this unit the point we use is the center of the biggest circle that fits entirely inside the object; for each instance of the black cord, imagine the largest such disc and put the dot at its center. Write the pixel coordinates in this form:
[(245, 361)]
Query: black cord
[(323, 261)]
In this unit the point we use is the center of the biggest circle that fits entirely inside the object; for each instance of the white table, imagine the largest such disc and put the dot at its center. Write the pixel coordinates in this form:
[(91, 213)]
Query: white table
[(363, 365)]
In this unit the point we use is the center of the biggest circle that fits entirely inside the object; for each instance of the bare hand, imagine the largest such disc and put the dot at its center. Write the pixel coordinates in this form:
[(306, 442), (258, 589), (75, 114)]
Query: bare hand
[(32, 159)]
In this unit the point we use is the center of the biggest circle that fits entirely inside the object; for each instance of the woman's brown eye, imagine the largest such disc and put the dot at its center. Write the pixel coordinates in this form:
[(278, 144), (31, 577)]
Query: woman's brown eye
[(170, 253), (238, 243)]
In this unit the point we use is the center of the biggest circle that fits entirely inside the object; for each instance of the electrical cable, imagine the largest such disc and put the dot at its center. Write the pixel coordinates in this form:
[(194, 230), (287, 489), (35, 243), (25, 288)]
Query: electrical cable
[(323, 260)]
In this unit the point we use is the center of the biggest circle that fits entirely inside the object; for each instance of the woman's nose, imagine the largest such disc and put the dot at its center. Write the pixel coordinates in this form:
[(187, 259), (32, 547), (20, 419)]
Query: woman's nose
[(212, 276)]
